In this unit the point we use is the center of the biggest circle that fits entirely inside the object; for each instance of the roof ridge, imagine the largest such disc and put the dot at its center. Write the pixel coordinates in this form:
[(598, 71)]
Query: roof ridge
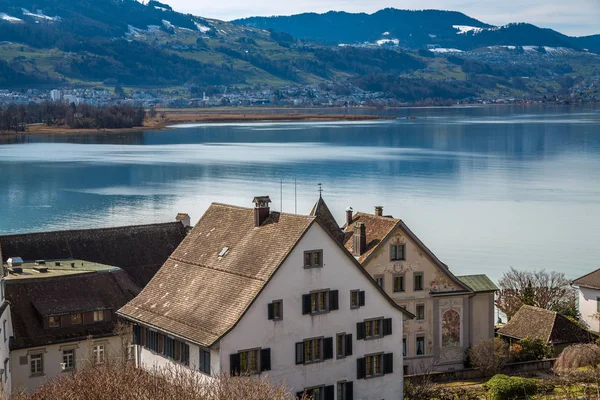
[(383, 217), (585, 276), (308, 217), (91, 229), (215, 269)]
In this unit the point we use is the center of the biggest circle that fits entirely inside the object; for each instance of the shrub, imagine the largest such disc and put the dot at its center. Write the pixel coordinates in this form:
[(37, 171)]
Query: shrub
[(577, 356), (531, 350), (489, 356), (502, 387)]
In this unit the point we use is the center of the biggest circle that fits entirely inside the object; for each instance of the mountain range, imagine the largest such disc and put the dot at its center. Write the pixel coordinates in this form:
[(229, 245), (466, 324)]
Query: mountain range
[(411, 55), (416, 29)]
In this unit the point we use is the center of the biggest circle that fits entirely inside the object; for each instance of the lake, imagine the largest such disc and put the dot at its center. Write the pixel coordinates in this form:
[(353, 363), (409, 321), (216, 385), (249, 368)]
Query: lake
[(485, 188)]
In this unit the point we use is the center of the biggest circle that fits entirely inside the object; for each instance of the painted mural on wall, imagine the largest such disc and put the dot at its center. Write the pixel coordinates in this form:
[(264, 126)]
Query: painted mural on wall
[(442, 283), (451, 328)]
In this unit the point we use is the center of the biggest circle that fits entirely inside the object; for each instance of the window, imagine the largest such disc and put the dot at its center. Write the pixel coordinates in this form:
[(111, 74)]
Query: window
[(313, 350), (357, 299), (345, 390), (379, 280), (76, 319), (6, 366), (69, 359), (249, 361), (418, 281), (420, 311), (374, 328), (420, 345), (398, 283), (320, 302), (404, 347), (343, 345), (54, 322), (99, 354), (205, 361), (4, 329), (317, 393), (98, 316), (313, 259), (374, 365), (598, 304), (275, 310), (36, 364), (397, 252)]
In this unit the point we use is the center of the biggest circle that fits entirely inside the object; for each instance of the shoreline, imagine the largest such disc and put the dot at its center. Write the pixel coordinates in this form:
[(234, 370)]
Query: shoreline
[(191, 116)]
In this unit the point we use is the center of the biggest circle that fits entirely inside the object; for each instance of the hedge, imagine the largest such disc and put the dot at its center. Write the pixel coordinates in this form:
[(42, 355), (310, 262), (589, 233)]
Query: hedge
[(502, 387)]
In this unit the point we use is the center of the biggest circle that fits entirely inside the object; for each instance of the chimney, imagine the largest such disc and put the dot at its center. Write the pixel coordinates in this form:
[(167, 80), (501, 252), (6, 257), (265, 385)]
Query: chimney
[(379, 211), (184, 219), (360, 239), (349, 211), (261, 209)]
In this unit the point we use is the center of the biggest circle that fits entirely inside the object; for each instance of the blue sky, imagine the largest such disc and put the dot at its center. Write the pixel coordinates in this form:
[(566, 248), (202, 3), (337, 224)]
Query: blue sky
[(572, 17)]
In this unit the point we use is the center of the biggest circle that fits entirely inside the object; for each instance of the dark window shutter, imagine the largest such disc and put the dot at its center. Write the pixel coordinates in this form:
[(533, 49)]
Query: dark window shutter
[(305, 304), (388, 363), (299, 353), (265, 360), (360, 331), (271, 311), (348, 344), (361, 298), (234, 364), (136, 334), (360, 368), (387, 326), (328, 348), (329, 393), (186, 354), (299, 395), (349, 391), (334, 303)]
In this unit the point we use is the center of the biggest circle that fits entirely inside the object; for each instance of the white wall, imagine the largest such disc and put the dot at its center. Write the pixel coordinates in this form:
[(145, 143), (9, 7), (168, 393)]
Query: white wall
[(7, 332), (588, 307), (290, 283), (53, 357)]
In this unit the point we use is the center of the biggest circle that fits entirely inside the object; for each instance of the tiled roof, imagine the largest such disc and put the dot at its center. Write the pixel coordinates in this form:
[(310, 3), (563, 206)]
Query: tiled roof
[(551, 327), (478, 283), (139, 250), (30, 299), (324, 216), (199, 296), (591, 280)]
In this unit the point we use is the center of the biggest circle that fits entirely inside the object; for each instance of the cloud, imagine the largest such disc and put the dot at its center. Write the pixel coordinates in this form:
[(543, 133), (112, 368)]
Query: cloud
[(575, 17)]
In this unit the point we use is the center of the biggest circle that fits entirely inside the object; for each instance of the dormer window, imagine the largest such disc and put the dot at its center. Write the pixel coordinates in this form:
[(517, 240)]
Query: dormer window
[(98, 316), (53, 322), (76, 319)]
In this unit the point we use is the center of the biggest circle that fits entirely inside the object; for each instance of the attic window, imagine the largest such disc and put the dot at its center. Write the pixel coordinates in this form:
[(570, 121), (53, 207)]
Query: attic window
[(224, 252)]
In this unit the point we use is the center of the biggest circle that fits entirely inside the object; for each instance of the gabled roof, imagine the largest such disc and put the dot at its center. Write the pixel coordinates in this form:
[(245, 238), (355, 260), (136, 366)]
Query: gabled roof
[(139, 250), (32, 299), (591, 280), (199, 296), (550, 326), (379, 229), (478, 283), (324, 216)]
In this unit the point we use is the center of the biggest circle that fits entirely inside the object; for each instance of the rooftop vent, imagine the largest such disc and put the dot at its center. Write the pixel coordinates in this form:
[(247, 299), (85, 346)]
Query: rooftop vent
[(42, 270), (40, 262), (72, 265), (14, 262), (224, 252), (16, 270), (57, 263)]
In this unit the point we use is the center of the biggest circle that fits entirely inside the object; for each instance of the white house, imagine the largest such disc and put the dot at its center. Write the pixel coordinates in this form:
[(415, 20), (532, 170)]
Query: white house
[(7, 332), (588, 287), (260, 292)]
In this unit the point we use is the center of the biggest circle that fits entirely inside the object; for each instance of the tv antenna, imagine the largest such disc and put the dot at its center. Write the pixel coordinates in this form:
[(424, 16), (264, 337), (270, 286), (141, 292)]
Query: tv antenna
[(320, 190)]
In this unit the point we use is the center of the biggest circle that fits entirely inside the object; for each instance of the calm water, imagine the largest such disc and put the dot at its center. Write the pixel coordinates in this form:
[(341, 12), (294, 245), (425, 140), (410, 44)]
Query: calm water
[(484, 188)]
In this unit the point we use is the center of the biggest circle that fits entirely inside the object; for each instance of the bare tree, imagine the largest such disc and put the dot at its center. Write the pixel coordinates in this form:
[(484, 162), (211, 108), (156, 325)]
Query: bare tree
[(545, 289), (489, 356)]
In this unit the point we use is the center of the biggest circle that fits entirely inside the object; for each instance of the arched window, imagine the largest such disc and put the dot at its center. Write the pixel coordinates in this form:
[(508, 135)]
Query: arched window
[(450, 328)]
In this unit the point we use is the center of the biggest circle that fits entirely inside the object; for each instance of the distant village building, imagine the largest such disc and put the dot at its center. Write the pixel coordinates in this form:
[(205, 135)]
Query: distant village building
[(7, 333), (588, 289), (253, 291), (539, 323), (63, 314), (452, 312)]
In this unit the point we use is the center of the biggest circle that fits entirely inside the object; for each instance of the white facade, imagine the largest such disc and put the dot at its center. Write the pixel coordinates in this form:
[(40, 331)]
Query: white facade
[(255, 331), (7, 332), (588, 307), (52, 356)]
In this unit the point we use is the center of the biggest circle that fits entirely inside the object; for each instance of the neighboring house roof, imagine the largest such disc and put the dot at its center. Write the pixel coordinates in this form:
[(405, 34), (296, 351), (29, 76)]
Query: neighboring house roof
[(139, 250), (591, 280), (550, 326), (199, 296), (32, 299), (478, 283), (378, 229), (324, 216)]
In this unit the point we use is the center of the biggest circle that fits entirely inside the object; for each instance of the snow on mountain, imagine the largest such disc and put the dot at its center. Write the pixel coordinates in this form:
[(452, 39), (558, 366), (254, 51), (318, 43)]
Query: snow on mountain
[(161, 8), (39, 15), (444, 50), (462, 29), (6, 17), (167, 24), (388, 41), (385, 34), (201, 27)]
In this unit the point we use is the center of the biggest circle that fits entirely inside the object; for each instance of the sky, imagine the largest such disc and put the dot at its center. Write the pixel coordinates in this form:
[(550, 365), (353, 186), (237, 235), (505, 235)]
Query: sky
[(571, 17)]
